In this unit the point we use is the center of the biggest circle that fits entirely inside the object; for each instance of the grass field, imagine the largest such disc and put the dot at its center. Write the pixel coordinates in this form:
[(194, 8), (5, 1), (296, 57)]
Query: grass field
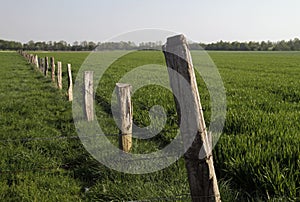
[(257, 156)]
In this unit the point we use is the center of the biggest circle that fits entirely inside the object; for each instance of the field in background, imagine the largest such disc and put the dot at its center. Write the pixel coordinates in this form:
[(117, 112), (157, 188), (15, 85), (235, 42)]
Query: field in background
[(256, 157)]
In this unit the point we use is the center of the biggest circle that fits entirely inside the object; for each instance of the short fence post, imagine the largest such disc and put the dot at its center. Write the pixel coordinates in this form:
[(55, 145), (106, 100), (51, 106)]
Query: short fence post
[(52, 62), (201, 172), (36, 61), (70, 89), (46, 66), (42, 65), (89, 95), (125, 114), (31, 59), (59, 75)]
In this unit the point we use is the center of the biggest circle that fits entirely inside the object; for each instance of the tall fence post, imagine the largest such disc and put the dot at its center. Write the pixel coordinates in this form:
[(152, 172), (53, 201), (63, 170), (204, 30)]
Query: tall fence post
[(201, 172), (46, 66), (59, 75), (70, 89), (125, 114), (89, 95), (52, 62)]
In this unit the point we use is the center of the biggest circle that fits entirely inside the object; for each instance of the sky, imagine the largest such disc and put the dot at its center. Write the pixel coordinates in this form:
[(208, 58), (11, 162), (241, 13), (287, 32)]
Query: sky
[(100, 20)]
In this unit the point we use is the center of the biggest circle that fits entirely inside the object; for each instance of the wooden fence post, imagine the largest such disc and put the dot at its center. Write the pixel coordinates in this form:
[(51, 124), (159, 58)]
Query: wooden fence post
[(42, 65), (201, 173), (70, 89), (59, 75), (36, 61), (31, 59), (52, 62), (27, 57), (46, 66), (125, 114), (89, 95)]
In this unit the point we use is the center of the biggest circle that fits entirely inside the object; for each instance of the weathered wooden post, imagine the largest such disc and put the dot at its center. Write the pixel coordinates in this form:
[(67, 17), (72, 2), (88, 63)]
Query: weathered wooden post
[(27, 57), (46, 67), (42, 65), (89, 95), (201, 173), (70, 89), (59, 75), (52, 62), (36, 61), (31, 59), (125, 114)]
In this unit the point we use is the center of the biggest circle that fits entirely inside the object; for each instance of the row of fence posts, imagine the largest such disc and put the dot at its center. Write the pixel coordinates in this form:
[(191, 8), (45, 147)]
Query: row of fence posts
[(44, 65), (201, 173), (123, 94)]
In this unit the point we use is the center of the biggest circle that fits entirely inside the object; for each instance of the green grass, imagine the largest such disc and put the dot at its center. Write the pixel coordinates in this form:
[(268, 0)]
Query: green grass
[(257, 156), (259, 149)]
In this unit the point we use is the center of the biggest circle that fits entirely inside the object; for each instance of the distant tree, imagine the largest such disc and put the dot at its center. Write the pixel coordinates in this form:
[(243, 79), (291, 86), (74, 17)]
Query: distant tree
[(282, 46), (31, 45), (296, 43), (91, 46), (244, 46)]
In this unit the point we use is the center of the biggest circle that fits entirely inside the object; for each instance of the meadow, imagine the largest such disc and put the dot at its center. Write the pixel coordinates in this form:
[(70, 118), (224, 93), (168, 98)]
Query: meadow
[(257, 158)]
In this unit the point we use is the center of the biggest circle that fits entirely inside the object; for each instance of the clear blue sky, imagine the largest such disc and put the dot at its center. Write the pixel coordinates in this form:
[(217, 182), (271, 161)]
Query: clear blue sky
[(200, 20)]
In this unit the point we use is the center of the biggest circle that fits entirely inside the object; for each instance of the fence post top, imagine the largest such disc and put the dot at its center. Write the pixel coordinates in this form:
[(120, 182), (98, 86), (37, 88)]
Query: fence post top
[(176, 40), (123, 85)]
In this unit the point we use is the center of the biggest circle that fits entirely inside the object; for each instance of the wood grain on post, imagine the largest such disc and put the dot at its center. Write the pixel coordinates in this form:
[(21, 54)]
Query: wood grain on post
[(201, 173), (52, 62), (125, 115), (46, 67), (89, 95), (59, 75), (70, 89)]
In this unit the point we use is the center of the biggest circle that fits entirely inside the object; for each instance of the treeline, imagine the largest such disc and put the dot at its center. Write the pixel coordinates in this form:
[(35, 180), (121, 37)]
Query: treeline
[(291, 45), (10, 45)]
